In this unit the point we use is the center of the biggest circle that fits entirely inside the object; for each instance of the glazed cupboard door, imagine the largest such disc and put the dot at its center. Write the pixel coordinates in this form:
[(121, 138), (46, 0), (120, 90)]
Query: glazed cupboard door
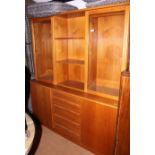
[(42, 49), (108, 40), (42, 103), (98, 127)]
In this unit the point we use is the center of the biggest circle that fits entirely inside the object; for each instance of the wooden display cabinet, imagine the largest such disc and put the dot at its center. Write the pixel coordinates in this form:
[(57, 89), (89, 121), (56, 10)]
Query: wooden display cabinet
[(42, 49), (69, 47), (85, 51)]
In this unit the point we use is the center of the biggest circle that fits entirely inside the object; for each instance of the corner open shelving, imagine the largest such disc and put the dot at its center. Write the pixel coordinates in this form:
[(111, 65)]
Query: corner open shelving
[(69, 46)]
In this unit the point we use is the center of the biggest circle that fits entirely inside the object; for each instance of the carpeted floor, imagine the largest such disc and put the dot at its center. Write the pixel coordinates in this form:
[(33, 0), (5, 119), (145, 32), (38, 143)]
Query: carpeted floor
[(53, 144)]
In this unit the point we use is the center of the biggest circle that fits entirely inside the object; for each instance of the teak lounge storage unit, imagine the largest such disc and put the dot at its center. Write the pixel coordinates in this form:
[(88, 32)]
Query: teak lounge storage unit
[(79, 56)]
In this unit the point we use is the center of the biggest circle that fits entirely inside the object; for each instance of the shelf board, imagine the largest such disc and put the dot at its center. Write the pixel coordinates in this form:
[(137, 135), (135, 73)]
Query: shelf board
[(71, 61), (104, 90), (72, 84), (45, 78), (60, 38)]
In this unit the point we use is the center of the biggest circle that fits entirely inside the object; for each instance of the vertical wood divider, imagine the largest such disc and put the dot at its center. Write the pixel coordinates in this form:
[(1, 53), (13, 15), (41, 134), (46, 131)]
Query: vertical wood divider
[(122, 143), (54, 54), (124, 65), (86, 50), (33, 50)]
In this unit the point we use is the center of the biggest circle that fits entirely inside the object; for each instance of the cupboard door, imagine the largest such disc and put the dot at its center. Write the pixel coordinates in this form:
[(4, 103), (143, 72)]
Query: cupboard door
[(98, 127), (41, 103)]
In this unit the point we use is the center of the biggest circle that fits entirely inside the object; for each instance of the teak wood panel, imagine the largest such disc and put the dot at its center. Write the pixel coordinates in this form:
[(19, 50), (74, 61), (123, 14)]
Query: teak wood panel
[(98, 127), (42, 40), (76, 49), (42, 103), (61, 72), (69, 26), (61, 49), (106, 50), (60, 27), (70, 72), (76, 72), (123, 127), (69, 49)]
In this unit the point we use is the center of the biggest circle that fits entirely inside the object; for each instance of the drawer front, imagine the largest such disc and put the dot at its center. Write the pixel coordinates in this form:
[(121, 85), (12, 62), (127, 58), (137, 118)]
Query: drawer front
[(68, 105), (66, 133), (66, 114), (73, 127), (68, 97)]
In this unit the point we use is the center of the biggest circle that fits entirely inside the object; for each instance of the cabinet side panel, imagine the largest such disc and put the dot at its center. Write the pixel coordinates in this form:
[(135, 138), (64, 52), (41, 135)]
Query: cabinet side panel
[(123, 128)]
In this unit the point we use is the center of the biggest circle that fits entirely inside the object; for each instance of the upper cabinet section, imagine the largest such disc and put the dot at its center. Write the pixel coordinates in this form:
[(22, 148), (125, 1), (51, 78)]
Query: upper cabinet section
[(42, 49), (85, 49)]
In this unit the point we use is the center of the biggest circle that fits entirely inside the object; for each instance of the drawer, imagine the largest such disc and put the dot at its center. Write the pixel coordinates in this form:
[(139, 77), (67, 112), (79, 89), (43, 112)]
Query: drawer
[(66, 113), (70, 106), (66, 133), (72, 127), (68, 97)]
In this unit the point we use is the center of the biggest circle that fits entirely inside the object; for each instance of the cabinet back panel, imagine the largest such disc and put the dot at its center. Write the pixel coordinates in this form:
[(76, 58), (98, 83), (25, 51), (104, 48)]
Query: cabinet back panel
[(61, 49), (62, 72), (76, 26), (107, 49), (69, 49), (70, 26), (76, 49), (60, 27), (76, 72)]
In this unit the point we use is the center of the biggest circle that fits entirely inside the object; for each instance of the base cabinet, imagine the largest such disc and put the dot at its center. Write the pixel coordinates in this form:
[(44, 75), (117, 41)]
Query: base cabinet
[(41, 103), (98, 127), (77, 118)]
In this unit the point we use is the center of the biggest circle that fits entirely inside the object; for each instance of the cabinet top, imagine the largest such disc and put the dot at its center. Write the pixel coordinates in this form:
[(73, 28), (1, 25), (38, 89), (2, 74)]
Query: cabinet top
[(91, 97), (111, 6)]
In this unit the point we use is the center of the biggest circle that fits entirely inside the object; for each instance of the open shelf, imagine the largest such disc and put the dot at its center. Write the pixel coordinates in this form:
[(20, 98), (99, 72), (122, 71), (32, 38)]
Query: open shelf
[(104, 90), (69, 45), (105, 53), (47, 76), (72, 84), (71, 61)]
